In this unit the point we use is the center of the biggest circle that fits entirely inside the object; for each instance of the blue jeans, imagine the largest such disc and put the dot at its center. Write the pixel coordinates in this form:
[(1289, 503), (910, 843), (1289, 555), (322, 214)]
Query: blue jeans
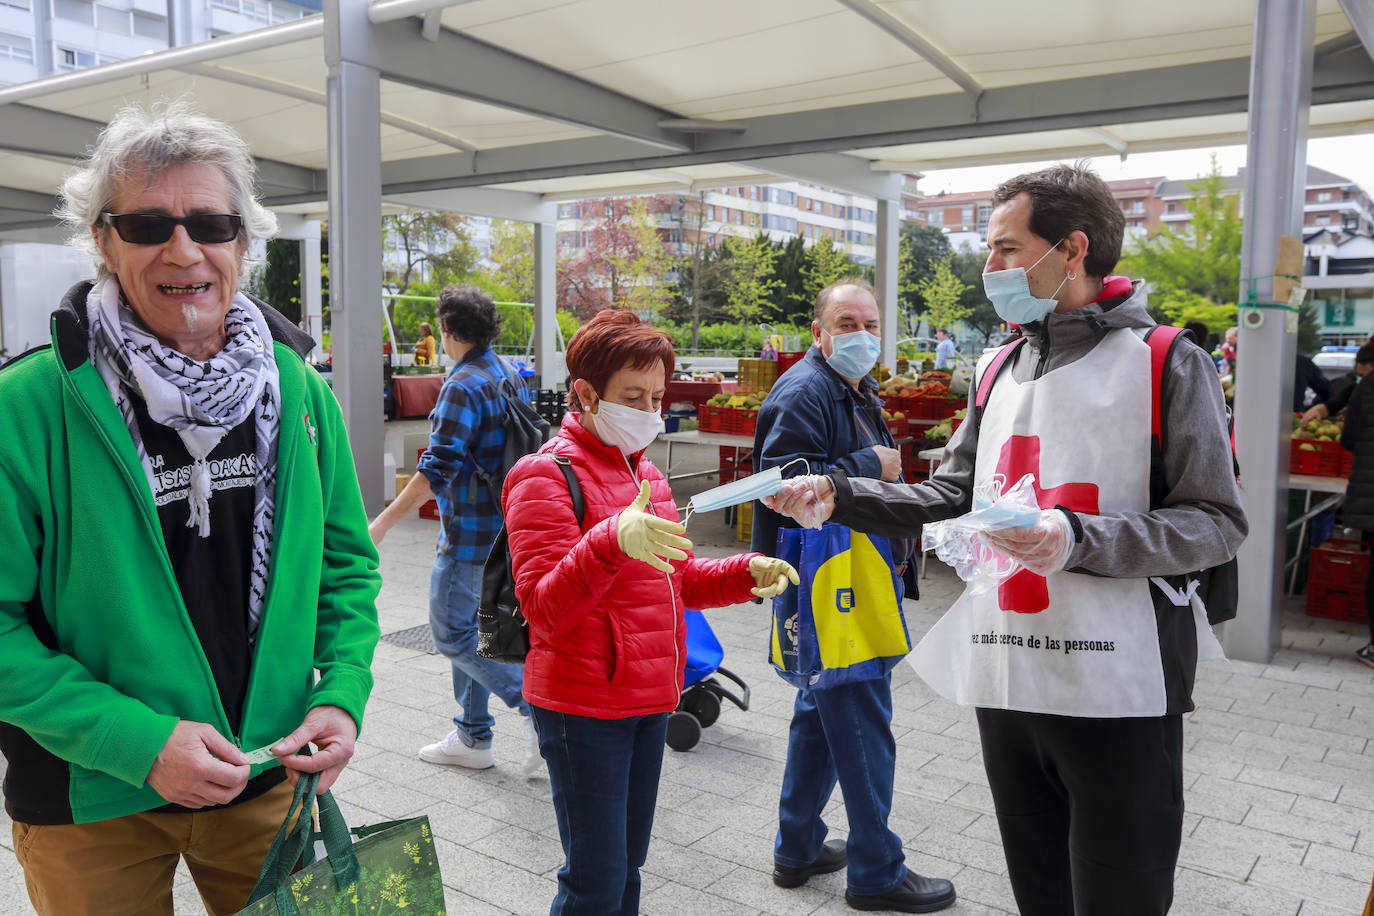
[(842, 734), (604, 775), (454, 589)]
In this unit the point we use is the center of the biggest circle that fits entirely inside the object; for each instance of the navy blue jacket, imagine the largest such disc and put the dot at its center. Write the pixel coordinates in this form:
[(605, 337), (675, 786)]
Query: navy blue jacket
[(809, 413)]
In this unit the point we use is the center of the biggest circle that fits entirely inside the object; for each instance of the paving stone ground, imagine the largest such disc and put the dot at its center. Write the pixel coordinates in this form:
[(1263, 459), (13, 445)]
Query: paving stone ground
[(1278, 772)]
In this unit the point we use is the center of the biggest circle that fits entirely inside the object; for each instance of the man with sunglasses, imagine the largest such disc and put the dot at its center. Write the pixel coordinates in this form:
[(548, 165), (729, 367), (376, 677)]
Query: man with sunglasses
[(185, 545)]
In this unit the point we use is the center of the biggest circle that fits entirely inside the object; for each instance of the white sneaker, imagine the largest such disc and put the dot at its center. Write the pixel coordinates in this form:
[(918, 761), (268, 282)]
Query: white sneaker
[(453, 752), (533, 764)]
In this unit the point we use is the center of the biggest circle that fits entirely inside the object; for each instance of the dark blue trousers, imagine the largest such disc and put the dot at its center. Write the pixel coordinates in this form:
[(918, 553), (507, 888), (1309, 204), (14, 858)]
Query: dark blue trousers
[(604, 775)]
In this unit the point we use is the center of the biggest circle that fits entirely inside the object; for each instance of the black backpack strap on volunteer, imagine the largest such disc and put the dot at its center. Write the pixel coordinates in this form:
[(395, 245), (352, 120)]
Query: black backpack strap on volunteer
[(994, 369), (503, 634)]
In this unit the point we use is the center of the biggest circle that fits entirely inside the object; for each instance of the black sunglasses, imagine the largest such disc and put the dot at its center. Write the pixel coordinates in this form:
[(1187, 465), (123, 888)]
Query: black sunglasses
[(154, 228)]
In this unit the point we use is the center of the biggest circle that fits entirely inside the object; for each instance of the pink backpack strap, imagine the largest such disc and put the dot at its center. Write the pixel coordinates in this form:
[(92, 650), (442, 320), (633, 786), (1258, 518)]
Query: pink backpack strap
[(993, 370)]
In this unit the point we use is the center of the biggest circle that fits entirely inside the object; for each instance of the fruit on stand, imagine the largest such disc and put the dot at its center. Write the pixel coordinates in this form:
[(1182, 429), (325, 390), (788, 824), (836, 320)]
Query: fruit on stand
[(1316, 430)]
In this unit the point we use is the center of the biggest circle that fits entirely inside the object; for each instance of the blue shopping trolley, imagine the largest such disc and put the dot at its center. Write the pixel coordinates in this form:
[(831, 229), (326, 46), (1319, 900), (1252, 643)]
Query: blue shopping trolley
[(699, 705)]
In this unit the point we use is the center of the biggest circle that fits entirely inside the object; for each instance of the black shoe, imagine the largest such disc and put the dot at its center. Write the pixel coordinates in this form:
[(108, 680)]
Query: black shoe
[(914, 895), (1366, 654), (830, 859)]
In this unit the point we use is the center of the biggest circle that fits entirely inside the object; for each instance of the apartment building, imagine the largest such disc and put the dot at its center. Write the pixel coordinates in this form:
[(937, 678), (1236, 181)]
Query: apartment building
[(966, 214), (42, 37), (1332, 202), (781, 211)]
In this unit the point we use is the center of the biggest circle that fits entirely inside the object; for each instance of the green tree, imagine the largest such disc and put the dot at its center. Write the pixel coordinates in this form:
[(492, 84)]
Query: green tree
[(919, 249), (512, 250), (792, 261), (825, 263), (278, 281), (942, 291), (427, 244), (749, 282), (1309, 330), (1201, 262)]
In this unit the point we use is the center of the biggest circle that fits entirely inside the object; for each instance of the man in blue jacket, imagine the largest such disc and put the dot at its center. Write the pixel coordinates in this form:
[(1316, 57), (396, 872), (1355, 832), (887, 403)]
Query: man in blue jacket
[(825, 409)]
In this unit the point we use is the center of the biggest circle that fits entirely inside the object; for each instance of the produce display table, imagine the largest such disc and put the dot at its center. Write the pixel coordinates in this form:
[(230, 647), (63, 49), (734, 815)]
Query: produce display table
[(1334, 488), (416, 395), (697, 437)]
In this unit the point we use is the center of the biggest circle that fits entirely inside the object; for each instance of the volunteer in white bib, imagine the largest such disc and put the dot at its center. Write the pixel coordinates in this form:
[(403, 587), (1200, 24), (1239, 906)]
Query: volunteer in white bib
[(1079, 666)]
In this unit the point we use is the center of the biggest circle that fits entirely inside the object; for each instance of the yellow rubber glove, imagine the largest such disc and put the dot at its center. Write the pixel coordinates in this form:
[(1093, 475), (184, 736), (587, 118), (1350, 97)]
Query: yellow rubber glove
[(649, 538), (771, 575)]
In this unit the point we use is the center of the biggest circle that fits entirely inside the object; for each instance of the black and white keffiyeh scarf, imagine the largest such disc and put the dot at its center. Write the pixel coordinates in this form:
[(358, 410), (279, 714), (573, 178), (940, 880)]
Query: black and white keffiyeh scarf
[(201, 401)]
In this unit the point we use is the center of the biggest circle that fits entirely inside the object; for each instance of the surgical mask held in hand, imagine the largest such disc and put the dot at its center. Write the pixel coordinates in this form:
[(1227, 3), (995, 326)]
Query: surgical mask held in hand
[(1010, 295), (956, 541), (744, 490)]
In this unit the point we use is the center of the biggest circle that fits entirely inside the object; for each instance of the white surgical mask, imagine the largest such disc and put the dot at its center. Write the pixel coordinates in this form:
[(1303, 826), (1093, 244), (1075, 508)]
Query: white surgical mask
[(744, 490), (626, 428), (1010, 295), (853, 354)]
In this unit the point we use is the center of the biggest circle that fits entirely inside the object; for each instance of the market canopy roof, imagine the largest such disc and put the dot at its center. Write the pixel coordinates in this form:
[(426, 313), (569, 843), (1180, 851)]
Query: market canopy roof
[(533, 101)]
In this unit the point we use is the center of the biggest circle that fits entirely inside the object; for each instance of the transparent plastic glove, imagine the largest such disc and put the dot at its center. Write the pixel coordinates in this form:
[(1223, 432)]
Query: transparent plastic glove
[(961, 542), (649, 538), (1043, 548), (771, 575), (809, 499)]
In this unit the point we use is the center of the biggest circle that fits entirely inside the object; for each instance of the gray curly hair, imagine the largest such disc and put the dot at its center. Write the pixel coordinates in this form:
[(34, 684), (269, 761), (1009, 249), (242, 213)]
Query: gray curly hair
[(139, 140)]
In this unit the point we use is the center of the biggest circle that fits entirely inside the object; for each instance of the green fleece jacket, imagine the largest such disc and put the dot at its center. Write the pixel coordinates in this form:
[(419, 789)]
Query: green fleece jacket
[(98, 656)]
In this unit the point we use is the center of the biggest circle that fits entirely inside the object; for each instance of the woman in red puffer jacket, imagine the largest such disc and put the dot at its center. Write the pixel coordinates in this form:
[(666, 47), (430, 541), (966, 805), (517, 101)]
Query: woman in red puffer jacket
[(604, 601)]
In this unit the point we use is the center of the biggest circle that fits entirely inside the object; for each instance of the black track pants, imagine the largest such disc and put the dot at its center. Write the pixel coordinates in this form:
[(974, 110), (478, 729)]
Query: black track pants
[(1090, 810)]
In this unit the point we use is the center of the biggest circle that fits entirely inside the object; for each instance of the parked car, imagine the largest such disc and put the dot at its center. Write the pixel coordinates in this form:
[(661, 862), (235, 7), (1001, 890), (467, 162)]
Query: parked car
[(1335, 361)]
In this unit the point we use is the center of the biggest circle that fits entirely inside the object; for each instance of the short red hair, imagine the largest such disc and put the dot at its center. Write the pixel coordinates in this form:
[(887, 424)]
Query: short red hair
[(615, 339)]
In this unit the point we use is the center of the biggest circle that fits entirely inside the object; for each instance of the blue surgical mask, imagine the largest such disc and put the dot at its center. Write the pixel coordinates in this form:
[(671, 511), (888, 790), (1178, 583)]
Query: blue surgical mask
[(1010, 295), (744, 490), (852, 355)]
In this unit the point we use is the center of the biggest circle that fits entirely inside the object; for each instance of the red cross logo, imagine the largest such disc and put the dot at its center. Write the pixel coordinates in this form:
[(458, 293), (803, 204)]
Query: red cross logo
[(1025, 592)]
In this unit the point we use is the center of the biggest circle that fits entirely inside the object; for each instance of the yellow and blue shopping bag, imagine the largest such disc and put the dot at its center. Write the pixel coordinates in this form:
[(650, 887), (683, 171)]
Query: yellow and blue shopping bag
[(845, 622)]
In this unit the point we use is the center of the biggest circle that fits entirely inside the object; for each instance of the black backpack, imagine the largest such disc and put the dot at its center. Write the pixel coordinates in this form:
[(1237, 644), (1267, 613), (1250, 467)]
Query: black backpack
[(503, 634), (1219, 586), (525, 433)]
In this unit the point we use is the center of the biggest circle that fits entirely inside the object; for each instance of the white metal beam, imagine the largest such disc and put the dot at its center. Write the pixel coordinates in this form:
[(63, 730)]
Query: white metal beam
[(833, 170), (456, 64), (497, 203), (391, 10), (315, 97), (1361, 16), (916, 42), (1109, 138)]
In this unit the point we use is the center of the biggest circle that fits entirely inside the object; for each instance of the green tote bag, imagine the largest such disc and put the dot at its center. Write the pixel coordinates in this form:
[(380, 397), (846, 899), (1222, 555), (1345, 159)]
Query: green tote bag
[(391, 868)]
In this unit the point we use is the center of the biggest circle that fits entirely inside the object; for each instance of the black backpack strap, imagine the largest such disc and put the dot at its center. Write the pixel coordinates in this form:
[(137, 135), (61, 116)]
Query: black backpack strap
[(574, 488)]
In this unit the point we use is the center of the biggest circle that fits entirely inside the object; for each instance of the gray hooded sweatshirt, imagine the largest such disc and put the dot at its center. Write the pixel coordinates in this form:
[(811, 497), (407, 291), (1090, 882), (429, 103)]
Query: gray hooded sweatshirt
[(1199, 523)]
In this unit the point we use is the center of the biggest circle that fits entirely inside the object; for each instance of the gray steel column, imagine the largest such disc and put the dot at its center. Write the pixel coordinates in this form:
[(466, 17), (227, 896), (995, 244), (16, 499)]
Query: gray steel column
[(546, 356), (312, 299), (355, 236), (885, 273), (1275, 186)]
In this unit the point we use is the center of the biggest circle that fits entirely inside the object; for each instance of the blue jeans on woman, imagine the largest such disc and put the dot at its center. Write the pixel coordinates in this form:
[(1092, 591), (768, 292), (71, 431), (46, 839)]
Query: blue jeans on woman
[(842, 734), (604, 775), (455, 586)]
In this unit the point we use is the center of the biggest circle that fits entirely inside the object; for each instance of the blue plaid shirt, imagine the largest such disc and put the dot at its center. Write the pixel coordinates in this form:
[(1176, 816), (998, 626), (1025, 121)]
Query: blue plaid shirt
[(466, 433)]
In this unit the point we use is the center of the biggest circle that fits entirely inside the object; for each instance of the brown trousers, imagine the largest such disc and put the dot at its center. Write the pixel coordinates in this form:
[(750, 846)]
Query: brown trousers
[(124, 866)]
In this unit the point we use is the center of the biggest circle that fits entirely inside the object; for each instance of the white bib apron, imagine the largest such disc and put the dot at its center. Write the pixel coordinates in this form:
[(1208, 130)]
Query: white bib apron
[(1069, 644)]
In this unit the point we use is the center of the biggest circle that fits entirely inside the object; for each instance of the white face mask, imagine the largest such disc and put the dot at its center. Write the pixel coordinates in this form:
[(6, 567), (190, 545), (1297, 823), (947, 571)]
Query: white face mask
[(626, 428)]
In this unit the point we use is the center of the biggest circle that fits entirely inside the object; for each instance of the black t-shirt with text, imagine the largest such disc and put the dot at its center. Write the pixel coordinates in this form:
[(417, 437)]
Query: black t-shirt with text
[(212, 572)]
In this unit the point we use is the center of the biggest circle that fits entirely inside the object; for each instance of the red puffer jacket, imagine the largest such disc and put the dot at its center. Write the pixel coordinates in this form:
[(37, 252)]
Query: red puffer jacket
[(607, 637)]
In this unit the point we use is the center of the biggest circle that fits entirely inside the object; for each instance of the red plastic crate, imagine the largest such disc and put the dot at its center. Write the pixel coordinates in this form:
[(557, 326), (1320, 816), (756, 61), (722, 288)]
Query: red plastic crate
[(789, 358), (712, 419), (1335, 603), (954, 424), (1339, 563), (746, 422), (899, 428), (1347, 463), (1322, 461)]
